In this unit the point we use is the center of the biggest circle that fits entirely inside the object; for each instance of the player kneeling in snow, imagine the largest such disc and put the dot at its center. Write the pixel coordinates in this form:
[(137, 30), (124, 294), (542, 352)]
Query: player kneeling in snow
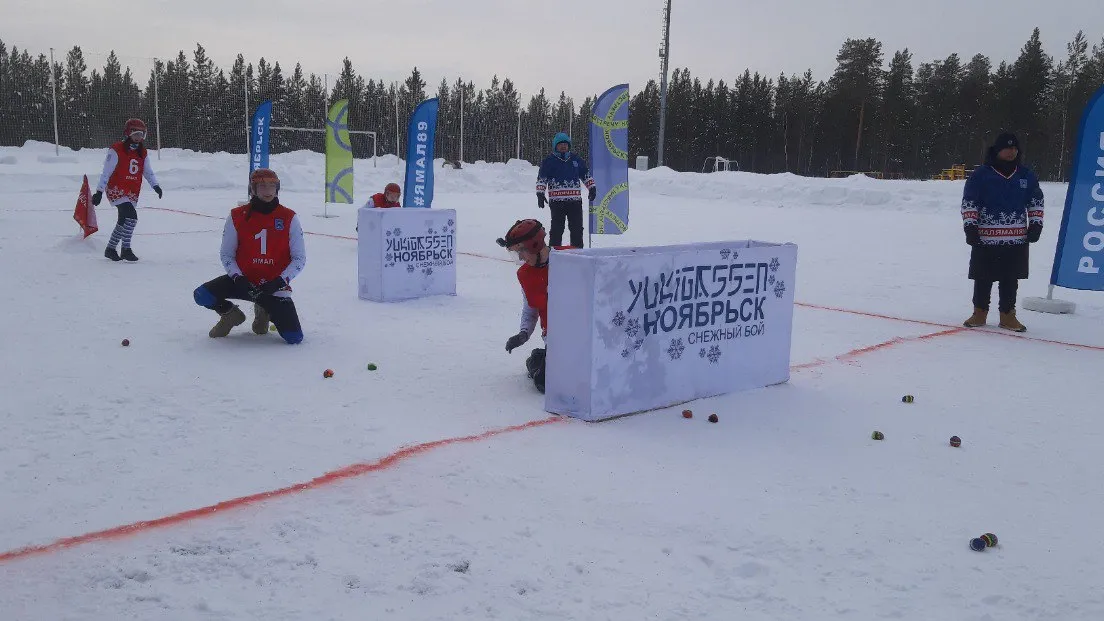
[(262, 250), (526, 237)]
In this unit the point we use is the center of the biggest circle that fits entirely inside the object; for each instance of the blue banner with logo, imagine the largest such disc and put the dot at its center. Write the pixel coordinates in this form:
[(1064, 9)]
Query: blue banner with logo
[(418, 190), (258, 138), (1079, 256), (609, 161)]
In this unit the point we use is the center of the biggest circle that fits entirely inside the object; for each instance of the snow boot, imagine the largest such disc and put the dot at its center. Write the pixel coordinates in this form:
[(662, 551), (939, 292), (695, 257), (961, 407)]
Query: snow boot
[(977, 319), (112, 254), (227, 320), (260, 320), (128, 255), (1008, 321)]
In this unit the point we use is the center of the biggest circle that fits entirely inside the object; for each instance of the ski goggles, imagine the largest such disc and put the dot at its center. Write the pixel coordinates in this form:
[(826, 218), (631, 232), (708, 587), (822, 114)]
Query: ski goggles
[(138, 134)]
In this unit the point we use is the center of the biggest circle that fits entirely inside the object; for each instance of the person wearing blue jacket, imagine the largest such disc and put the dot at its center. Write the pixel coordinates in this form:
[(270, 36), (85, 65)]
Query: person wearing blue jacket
[(558, 184), (1002, 212)]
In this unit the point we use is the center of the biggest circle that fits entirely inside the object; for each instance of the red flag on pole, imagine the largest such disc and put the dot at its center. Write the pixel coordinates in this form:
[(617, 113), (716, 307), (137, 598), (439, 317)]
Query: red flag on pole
[(85, 213)]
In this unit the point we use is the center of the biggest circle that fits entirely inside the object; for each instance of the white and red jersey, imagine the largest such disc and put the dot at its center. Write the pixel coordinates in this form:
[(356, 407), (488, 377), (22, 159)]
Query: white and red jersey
[(124, 167), (263, 246)]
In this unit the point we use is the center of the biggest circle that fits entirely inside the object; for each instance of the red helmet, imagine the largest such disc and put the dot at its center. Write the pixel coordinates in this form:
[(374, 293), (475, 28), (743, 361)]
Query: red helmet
[(392, 187), (262, 175), (134, 125), (524, 235)]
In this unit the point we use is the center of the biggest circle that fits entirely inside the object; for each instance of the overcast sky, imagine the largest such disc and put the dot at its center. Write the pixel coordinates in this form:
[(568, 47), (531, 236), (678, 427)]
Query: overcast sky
[(576, 46)]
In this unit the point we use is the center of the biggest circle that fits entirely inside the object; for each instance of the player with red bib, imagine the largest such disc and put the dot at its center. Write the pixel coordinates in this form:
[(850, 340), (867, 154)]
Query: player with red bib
[(262, 251), (127, 162), (387, 199), (526, 238)]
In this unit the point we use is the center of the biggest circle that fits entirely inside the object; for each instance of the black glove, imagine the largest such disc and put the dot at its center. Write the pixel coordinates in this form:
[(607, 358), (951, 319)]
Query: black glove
[(97, 197), (592, 194), (246, 288), (540, 200), (1034, 230), (973, 237), (157, 189), (516, 341), (273, 286)]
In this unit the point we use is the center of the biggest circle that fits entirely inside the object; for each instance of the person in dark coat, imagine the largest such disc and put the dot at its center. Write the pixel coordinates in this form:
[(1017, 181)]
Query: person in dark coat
[(1002, 212), (561, 176)]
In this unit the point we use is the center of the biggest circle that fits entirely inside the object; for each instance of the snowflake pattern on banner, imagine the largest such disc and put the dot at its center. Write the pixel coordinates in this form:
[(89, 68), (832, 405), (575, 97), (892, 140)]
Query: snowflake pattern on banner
[(618, 319), (637, 343), (770, 279), (701, 353), (780, 289), (774, 264), (428, 271), (432, 231), (398, 232), (676, 349), (387, 257), (735, 255), (632, 328), (451, 222), (625, 353), (410, 268), (724, 253), (714, 354)]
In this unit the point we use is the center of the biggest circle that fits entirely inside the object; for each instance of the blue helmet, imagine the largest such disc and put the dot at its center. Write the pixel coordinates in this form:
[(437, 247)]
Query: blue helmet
[(561, 137)]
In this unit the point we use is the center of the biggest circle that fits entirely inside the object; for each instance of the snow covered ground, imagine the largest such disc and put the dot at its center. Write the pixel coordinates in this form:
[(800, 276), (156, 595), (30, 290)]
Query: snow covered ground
[(786, 509)]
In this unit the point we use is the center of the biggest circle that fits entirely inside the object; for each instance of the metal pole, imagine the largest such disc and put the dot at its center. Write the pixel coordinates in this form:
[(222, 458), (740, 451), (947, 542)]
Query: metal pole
[(53, 86), (519, 133), (1050, 292), (397, 144), (248, 122), (663, 54), (157, 109), (461, 122)]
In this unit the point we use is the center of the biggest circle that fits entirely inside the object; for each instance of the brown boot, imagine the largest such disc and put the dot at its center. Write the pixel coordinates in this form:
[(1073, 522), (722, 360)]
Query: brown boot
[(227, 320), (977, 319), (1008, 321)]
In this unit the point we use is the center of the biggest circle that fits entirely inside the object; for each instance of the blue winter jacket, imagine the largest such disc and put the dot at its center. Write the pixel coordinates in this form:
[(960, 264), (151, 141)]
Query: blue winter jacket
[(1002, 207), (560, 175)]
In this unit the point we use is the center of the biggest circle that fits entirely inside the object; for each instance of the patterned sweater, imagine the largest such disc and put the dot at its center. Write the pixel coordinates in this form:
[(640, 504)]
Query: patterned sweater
[(558, 178), (1002, 207)]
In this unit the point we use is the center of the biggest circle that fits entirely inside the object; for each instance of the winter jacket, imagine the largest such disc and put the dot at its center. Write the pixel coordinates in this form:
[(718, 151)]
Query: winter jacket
[(1002, 205), (559, 177)]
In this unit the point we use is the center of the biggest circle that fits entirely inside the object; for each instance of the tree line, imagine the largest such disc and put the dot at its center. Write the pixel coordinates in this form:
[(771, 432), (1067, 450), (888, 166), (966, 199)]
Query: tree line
[(902, 118)]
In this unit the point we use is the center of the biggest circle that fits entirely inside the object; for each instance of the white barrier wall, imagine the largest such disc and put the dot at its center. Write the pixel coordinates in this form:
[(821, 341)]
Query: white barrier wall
[(405, 253), (635, 329)]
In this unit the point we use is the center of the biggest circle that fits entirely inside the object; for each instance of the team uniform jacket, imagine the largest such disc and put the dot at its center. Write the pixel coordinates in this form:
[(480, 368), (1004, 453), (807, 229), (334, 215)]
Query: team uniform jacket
[(559, 178), (534, 296), (263, 247), (1002, 207), (123, 170)]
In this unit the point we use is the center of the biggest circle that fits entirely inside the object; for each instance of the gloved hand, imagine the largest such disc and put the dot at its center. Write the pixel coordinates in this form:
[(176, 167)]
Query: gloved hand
[(157, 189), (973, 237), (540, 200), (593, 192), (97, 197), (273, 286), (1034, 231), (516, 340), (246, 288)]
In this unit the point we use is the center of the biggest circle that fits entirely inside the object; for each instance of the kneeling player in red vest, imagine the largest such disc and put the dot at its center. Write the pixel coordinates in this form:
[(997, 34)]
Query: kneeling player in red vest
[(262, 250), (388, 198), (526, 237)]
